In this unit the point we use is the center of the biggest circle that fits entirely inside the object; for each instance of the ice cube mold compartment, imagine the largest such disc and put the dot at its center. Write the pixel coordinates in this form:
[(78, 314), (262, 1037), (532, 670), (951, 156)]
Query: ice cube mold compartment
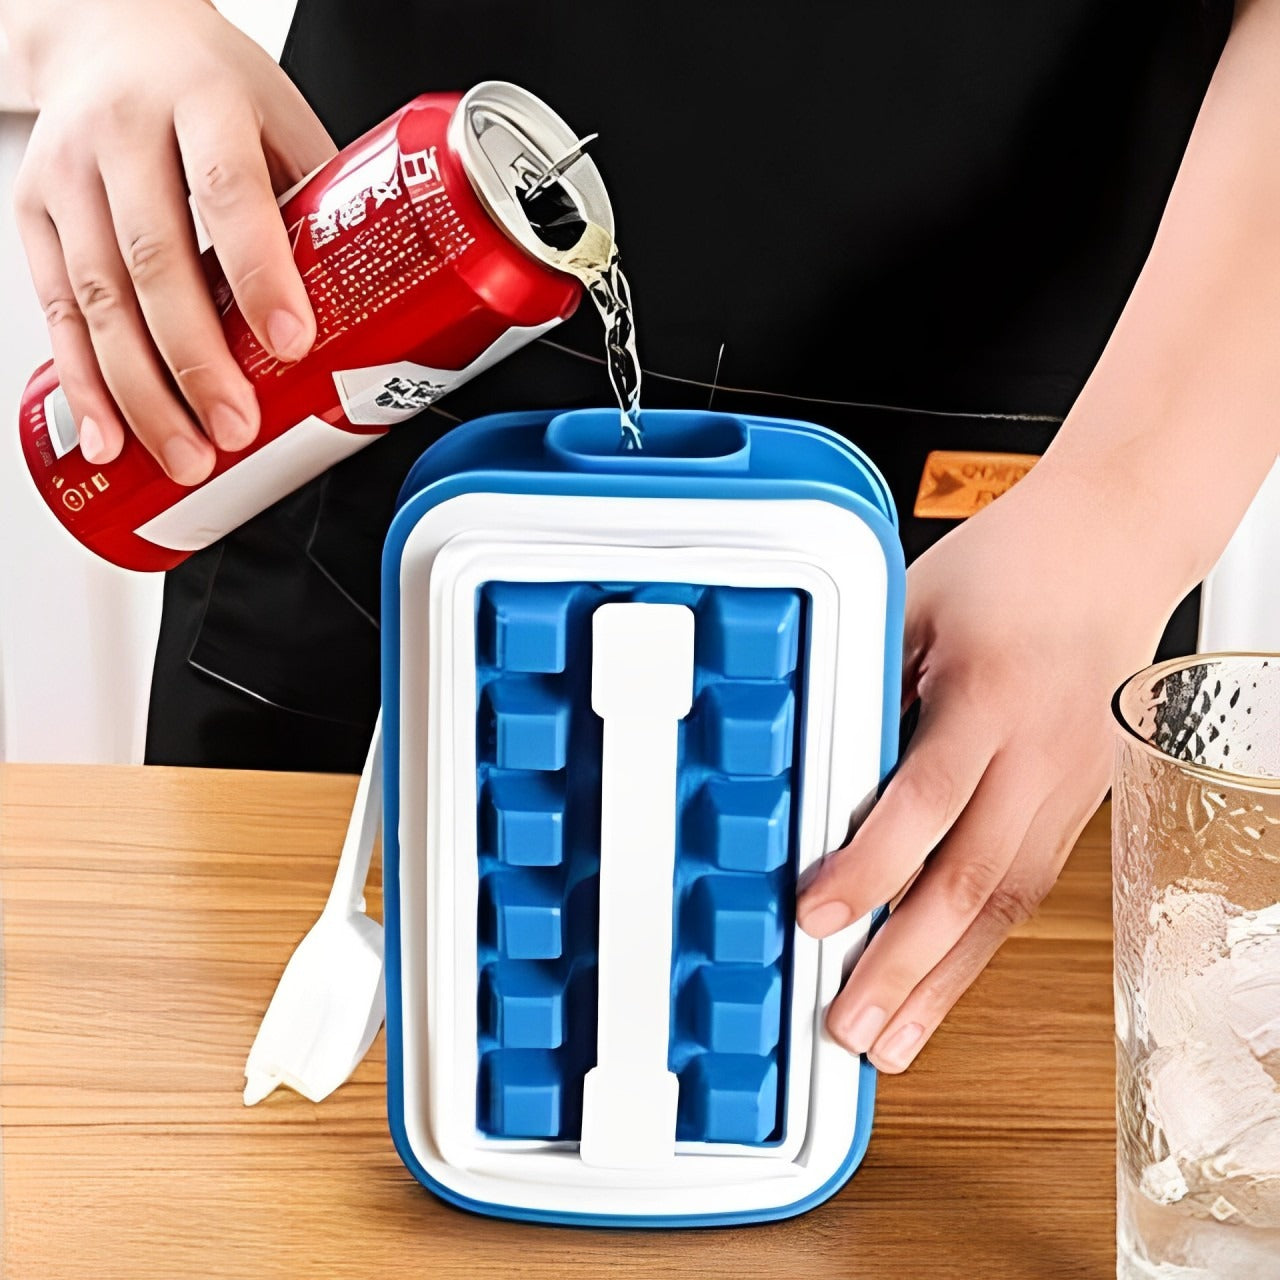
[(539, 757), (515, 1085)]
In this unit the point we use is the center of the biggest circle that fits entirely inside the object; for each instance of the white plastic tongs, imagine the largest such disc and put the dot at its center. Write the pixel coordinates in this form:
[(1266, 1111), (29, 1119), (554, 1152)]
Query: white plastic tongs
[(330, 1000)]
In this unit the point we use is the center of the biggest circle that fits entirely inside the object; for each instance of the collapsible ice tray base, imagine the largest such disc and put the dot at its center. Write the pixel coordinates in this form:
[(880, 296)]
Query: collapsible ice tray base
[(539, 767), (441, 555)]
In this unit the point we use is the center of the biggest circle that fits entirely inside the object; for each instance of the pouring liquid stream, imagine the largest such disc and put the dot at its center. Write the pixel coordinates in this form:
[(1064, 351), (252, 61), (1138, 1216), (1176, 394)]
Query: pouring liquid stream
[(587, 251), (594, 260)]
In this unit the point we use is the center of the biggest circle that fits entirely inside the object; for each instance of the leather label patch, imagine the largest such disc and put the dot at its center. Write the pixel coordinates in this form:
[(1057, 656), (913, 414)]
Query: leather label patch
[(954, 485)]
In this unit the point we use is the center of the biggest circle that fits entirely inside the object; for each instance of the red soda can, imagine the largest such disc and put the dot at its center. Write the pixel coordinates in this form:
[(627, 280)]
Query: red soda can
[(425, 260)]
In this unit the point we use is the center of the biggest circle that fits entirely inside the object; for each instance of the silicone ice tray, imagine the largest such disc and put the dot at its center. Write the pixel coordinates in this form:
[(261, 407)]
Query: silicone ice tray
[(628, 700), (539, 814)]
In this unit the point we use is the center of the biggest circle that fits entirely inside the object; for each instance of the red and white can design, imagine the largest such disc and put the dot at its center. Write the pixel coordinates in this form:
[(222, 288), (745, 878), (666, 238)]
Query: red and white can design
[(423, 268)]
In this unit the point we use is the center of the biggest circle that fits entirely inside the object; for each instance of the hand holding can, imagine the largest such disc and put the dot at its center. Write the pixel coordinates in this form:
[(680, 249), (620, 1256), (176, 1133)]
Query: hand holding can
[(142, 104), (422, 266)]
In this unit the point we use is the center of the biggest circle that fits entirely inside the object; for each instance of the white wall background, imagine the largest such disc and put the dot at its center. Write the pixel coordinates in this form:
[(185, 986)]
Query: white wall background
[(77, 635), (1240, 605)]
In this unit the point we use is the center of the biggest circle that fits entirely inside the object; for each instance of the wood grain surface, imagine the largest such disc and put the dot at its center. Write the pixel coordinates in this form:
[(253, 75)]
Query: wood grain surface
[(147, 916)]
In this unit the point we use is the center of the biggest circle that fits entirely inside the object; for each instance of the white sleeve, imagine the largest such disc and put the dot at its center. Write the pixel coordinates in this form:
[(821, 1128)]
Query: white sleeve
[(266, 21)]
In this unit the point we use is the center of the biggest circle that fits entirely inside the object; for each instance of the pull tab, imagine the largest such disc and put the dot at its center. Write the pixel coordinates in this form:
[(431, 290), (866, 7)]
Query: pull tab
[(562, 165)]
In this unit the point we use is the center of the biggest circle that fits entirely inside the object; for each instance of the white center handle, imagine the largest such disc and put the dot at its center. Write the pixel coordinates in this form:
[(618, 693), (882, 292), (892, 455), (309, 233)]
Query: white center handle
[(641, 687)]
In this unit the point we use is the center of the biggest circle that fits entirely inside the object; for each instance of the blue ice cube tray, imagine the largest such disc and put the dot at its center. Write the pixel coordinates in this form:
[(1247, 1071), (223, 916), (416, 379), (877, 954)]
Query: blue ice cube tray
[(539, 773), (512, 850)]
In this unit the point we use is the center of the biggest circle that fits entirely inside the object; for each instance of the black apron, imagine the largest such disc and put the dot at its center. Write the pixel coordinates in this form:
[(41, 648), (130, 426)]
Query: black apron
[(823, 206)]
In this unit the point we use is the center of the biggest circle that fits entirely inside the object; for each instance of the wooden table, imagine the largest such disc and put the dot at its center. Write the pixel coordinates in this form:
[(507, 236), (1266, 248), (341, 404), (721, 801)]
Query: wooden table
[(147, 916)]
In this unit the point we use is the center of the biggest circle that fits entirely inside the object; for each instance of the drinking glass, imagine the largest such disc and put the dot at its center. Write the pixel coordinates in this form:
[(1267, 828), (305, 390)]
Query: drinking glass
[(1196, 873)]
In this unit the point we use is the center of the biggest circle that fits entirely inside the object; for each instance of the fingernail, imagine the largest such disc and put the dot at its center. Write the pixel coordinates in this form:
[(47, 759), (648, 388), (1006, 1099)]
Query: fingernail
[(901, 1048), (285, 332), (92, 444), (231, 429), (187, 463), (861, 1033), (825, 920)]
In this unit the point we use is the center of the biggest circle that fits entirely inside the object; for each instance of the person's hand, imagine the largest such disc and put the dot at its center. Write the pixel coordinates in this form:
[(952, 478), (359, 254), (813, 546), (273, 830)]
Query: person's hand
[(1023, 622), (142, 102), (1020, 626)]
